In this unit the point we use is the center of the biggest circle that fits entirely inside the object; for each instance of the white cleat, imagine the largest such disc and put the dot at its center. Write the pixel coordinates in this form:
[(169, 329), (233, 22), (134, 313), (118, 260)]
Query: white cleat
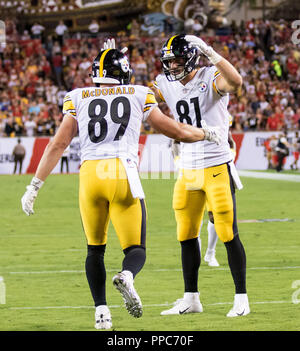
[(183, 306), (240, 306), (211, 259), (124, 283), (102, 317)]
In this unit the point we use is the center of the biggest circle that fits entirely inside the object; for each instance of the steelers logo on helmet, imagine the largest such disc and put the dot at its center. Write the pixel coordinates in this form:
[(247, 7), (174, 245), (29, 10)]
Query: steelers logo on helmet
[(111, 66), (124, 64), (178, 57)]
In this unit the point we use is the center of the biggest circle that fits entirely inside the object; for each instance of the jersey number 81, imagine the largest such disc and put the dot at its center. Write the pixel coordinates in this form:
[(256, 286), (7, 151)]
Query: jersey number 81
[(183, 110)]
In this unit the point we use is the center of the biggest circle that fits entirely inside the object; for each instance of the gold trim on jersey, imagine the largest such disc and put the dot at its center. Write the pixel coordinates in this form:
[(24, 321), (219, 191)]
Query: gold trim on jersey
[(216, 75), (150, 100), (216, 89), (69, 107)]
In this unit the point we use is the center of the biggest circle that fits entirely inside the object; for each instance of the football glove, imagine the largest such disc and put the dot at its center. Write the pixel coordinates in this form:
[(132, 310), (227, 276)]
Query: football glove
[(205, 49), (175, 148), (111, 44), (30, 195), (212, 134)]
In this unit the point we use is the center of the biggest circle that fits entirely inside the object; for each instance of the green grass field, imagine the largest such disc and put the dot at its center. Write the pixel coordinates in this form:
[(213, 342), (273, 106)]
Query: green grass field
[(42, 261)]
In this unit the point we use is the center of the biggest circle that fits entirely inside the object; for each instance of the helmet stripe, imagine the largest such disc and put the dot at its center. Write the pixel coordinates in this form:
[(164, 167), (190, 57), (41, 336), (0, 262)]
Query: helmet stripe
[(101, 62), (170, 42)]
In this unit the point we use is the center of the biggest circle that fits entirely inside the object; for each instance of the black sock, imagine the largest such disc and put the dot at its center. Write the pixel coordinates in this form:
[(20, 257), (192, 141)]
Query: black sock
[(237, 263), (96, 273), (134, 260), (190, 259)]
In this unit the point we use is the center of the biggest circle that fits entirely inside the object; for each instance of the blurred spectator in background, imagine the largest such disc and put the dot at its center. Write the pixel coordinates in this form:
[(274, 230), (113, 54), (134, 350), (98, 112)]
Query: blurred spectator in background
[(168, 25), (270, 145), (296, 151), (134, 29), (197, 27), (25, 35), (188, 25), (10, 127), (18, 154), (30, 126), (60, 30), (57, 62), (32, 71), (65, 160), (282, 150), (37, 31), (94, 28)]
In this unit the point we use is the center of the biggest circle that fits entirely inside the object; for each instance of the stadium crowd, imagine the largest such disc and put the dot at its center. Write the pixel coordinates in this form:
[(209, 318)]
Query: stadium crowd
[(37, 71)]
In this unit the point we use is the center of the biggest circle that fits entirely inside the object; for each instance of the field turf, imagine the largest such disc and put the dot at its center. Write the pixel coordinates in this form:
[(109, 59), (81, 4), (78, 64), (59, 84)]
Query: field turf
[(42, 262)]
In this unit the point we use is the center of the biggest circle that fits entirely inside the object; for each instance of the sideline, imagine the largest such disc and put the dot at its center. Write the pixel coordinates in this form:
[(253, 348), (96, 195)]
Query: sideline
[(273, 176)]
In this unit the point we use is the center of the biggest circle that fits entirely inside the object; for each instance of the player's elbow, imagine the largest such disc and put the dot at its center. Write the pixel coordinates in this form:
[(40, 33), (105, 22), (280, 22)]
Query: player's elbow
[(237, 82), (57, 146)]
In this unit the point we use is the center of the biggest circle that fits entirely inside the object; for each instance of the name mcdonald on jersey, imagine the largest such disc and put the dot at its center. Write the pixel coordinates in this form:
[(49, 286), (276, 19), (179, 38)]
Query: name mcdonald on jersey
[(86, 93)]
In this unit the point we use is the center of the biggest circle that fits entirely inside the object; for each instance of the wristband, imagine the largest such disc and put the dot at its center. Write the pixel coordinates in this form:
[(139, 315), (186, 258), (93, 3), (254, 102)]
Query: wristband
[(213, 56), (37, 183)]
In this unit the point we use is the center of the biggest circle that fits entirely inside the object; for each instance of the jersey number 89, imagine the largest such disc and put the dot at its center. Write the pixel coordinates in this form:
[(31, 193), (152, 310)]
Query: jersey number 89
[(97, 111)]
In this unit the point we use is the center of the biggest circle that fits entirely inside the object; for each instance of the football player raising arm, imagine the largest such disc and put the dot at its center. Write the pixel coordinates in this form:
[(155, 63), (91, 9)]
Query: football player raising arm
[(197, 94), (229, 80)]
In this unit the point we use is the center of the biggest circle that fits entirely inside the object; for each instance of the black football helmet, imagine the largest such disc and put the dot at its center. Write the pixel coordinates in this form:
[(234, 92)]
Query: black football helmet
[(178, 47), (111, 66)]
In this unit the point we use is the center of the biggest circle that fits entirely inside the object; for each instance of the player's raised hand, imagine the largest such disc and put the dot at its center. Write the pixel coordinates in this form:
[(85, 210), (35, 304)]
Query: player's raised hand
[(212, 134), (111, 44), (205, 49), (194, 40)]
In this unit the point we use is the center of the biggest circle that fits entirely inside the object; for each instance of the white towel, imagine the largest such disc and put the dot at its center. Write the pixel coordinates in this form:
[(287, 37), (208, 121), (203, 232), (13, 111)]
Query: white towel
[(237, 182), (133, 178)]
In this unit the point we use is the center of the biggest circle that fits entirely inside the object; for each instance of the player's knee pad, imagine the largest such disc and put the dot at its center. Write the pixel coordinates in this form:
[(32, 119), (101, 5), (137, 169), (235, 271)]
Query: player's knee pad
[(225, 225), (223, 201), (179, 196)]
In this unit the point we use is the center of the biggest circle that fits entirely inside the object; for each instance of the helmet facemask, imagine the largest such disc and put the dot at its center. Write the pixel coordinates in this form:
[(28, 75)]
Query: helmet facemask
[(178, 72)]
